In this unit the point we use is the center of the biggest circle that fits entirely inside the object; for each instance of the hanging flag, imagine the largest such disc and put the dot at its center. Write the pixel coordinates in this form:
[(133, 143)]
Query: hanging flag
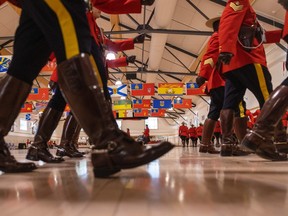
[(114, 113), (162, 104), (157, 112), (193, 89), (142, 89), (26, 108), (40, 106), (141, 103), (49, 67), (118, 90), (170, 88), (141, 112), (122, 105), (182, 103), (4, 64), (125, 113), (39, 94)]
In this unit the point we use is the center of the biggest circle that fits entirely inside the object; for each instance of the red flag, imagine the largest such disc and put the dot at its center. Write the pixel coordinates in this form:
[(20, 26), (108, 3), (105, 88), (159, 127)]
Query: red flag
[(141, 103), (182, 103), (141, 112), (158, 112), (192, 90), (26, 108), (39, 94), (142, 89)]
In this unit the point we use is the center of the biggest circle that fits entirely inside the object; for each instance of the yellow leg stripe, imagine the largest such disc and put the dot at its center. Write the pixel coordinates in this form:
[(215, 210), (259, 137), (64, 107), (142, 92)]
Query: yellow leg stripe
[(95, 68), (67, 27), (241, 109), (262, 81)]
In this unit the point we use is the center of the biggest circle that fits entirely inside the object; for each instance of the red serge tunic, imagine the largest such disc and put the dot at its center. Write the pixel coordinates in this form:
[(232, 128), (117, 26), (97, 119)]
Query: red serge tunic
[(236, 14), (208, 68)]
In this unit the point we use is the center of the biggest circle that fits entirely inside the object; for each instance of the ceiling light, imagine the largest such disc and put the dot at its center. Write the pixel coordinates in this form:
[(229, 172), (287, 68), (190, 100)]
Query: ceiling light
[(118, 82), (111, 56)]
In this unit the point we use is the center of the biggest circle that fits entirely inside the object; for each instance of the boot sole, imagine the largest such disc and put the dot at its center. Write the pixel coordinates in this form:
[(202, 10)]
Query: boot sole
[(106, 171)]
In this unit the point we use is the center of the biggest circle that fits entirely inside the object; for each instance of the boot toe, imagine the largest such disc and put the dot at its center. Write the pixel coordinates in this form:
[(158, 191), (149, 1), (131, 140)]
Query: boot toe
[(109, 163)]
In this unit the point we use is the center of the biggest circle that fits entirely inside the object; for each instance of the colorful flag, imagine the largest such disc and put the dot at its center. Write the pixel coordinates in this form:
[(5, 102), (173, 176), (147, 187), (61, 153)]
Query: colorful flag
[(49, 67), (162, 104), (125, 113), (142, 89), (141, 103), (118, 90), (122, 105), (182, 103), (170, 88), (157, 112), (26, 108), (40, 106), (4, 63), (141, 112), (39, 94), (193, 89)]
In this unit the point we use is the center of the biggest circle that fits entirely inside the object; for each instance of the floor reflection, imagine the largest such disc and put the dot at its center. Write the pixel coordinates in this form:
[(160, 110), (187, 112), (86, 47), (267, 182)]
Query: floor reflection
[(182, 182)]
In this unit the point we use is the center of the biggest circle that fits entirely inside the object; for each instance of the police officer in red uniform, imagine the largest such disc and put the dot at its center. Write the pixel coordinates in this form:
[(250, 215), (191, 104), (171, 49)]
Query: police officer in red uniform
[(71, 129), (193, 135), (260, 139), (40, 32), (53, 112), (215, 87), (244, 66), (183, 134)]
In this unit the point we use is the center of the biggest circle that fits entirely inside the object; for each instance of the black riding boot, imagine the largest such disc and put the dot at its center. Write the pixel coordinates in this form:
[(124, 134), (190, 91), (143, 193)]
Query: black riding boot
[(259, 139), (117, 150), (39, 150), (13, 93)]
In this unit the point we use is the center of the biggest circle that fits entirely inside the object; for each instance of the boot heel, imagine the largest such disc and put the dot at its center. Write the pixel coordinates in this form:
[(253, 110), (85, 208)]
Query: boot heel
[(60, 153), (104, 172), (226, 150)]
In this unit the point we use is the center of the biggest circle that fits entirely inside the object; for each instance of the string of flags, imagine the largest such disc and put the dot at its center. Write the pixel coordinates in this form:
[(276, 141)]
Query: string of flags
[(163, 89)]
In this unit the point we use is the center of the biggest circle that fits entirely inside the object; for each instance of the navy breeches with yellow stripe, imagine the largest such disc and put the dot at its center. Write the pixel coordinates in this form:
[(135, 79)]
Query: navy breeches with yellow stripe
[(254, 77), (43, 32), (216, 104)]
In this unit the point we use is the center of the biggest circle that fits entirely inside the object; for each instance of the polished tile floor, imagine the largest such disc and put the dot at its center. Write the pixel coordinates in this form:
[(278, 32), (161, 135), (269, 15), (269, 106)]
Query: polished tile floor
[(183, 182)]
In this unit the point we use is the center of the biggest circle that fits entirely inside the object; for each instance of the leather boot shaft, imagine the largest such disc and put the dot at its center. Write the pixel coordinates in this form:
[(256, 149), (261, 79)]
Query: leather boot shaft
[(68, 131), (83, 93), (240, 127), (13, 93), (208, 130), (47, 124), (271, 113), (227, 119), (280, 135)]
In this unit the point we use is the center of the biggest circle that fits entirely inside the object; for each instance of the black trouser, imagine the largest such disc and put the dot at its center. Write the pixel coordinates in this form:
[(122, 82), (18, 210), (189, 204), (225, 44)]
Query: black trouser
[(254, 77), (285, 82), (40, 32), (58, 102)]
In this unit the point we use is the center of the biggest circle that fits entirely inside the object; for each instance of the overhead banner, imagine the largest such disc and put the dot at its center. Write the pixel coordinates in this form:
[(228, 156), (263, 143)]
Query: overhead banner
[(4, 64), (141, 112), (182, 103), (26, 108), (145, 103), (142, 89), (125, 113), (122, 105), (170, 89), (162, 104), (38, 94), (118, 90), (157, 112), (193, 89)]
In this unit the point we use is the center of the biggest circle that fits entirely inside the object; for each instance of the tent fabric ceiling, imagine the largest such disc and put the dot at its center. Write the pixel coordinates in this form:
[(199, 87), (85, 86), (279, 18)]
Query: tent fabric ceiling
[(187, 38)]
